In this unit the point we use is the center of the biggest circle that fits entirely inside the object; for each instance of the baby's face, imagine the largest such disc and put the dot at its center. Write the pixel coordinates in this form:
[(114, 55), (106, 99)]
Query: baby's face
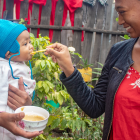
[(25, 47)]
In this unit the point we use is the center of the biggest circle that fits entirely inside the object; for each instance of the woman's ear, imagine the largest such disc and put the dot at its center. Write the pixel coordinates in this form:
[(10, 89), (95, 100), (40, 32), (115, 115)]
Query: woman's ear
[(8, 55)]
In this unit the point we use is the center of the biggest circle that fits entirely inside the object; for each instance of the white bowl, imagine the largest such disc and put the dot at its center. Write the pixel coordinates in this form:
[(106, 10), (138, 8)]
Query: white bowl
[(32, 126)]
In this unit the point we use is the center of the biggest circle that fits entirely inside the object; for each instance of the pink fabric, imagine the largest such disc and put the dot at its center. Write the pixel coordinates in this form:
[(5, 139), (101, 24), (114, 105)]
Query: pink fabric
[(17, 5), (71, 5), (52, 18), (41, 3), (4, 7)]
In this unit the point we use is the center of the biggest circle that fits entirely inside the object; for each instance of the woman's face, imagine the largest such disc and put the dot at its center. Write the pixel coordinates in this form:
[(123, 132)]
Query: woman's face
[(129, 16)]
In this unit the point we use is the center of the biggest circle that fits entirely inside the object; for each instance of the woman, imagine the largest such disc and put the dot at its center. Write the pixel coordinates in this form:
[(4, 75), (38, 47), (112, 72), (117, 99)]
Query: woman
[(117, 91)]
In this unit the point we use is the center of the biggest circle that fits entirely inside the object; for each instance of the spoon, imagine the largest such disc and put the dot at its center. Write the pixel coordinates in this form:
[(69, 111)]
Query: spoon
[(34, 52)]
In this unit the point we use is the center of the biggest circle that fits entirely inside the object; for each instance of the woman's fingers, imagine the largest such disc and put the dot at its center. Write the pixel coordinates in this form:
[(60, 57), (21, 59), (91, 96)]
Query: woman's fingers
[(12, 106), (20, 84), (16, 117), (18, 97)]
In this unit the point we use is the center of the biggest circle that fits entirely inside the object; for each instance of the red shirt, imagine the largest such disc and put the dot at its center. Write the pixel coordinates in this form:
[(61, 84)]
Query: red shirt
[(126, 113)]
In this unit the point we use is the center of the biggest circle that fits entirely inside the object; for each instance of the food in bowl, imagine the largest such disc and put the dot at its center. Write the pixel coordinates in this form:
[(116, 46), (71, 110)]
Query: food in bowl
[(35, 118)]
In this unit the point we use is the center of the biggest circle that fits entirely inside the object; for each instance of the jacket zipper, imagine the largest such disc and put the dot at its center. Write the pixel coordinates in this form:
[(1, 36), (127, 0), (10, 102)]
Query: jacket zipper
[(119, 71)]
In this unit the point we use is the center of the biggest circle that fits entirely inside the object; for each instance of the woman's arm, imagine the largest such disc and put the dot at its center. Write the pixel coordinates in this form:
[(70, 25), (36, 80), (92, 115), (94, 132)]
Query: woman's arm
[(92, 102), (18, 97)]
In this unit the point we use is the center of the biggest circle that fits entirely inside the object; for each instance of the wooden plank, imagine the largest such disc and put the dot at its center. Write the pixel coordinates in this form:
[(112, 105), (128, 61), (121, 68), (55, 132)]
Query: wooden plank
[(77, 34), (114, 27), (58, 20), (105, 47), (45, 17), (65, 33), (24, 9), (76, 29), (34, 18), (9, 8), (91, 14), (97, 43), (95, 51), (1, 8)]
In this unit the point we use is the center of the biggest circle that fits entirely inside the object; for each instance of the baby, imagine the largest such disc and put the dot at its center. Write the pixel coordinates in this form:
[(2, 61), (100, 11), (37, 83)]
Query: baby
[(15, 49)]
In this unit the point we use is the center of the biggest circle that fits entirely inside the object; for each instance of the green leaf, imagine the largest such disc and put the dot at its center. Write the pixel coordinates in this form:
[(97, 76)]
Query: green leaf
[(48, 77), (37, 63), (78, 124), (40, 95), (83, 126), (50, 120), (126, 37), (46, 87), (63, 124), (100, 64), (55, 123), (43, 64), (50, 84), (49, 65), (90, 86), (64, 94), (98, 69), (34, 70), (95, 79), (56, 75), (73, 125), (32, 35), (59, 97), (37, 42), (39, 84), (42, 137), (80, 56)]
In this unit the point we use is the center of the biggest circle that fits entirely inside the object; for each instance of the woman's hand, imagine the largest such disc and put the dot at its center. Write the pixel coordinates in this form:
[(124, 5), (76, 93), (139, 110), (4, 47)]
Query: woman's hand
[(60, 54), (8, 121), (18, 97)]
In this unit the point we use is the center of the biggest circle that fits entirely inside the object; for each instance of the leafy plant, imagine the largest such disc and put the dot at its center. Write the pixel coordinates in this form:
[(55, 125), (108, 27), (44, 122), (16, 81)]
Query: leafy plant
[(85, 64), (46, 73), (125, 37), (97, 72)]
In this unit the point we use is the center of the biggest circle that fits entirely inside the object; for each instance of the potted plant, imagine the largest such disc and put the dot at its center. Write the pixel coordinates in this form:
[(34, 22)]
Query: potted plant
[(86, 71)]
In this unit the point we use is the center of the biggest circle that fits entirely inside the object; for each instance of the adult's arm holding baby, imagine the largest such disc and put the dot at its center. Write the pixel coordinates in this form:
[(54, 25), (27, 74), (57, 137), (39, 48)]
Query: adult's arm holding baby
[(8, 121), (18, 97)]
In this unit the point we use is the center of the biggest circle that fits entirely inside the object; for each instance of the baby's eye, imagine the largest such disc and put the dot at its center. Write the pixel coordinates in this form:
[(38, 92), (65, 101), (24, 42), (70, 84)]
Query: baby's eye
[(25, 44), (30, 42)]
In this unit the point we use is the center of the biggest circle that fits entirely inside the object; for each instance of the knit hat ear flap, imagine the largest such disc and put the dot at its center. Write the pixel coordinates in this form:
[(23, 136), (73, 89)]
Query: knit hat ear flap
[(12, 48)]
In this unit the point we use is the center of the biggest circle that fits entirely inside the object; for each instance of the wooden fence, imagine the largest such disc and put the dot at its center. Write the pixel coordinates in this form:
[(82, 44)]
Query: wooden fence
[(101, 30)]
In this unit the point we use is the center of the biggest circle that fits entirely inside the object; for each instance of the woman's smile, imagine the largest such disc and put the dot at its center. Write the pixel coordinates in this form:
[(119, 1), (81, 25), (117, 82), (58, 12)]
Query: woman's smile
[(128, 29)]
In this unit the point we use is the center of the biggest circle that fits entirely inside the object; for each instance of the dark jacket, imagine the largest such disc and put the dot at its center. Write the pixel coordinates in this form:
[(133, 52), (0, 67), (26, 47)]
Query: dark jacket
[(101, 99)]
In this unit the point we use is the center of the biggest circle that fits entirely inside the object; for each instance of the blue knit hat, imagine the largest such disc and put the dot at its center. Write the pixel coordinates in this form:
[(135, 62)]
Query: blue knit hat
[(9, 32)]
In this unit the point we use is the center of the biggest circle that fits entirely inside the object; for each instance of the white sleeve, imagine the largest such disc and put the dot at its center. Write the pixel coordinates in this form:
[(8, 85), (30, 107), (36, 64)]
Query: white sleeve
[(4, 72)]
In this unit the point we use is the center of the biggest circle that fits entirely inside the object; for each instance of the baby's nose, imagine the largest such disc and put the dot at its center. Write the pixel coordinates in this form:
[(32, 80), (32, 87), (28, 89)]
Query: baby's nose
[(31, 47)]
